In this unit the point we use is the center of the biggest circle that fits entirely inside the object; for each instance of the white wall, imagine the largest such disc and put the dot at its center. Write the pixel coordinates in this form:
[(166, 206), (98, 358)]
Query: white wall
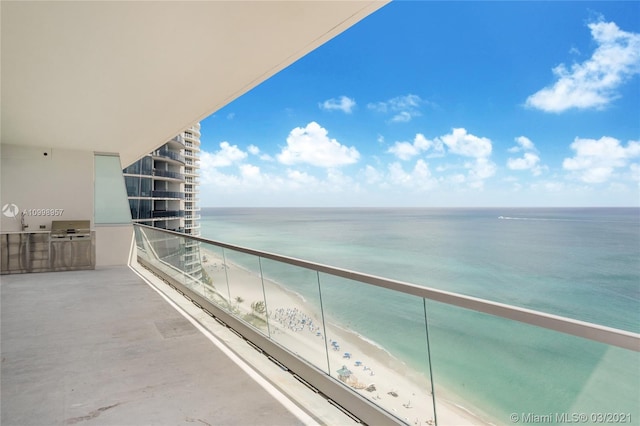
[(46, 178), (113, 244), (64, 180)]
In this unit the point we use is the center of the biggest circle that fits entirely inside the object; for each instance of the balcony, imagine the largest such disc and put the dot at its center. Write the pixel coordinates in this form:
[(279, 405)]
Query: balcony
[(167, 213), (168, 194), (165, 153), (177, 139), (168, 174), (107, 346), (240, 282)]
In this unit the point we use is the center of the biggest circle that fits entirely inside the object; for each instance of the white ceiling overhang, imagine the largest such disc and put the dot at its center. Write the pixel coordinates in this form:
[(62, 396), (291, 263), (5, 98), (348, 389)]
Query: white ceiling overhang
[(127, 76)]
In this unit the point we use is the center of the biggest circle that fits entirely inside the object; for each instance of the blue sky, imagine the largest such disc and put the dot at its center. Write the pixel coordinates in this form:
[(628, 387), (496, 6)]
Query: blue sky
[(443, 104)]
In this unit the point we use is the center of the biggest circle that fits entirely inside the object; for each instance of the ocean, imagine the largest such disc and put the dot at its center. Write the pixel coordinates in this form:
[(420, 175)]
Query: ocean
[(582, 263)]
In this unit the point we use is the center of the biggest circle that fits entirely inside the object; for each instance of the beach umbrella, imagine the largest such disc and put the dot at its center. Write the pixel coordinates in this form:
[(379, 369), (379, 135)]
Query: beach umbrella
[(344, 373)]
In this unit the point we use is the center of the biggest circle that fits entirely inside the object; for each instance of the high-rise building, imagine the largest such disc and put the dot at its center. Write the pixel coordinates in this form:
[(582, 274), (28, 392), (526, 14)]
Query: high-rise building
[(163, 191), (191, 138)]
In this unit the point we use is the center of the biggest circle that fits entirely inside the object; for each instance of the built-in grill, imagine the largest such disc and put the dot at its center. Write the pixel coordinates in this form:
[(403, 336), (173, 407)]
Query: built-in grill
[(70, 229), (72, 245)]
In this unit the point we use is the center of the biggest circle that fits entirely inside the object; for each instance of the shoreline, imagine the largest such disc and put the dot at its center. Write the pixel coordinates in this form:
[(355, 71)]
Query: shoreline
[(359, 363)]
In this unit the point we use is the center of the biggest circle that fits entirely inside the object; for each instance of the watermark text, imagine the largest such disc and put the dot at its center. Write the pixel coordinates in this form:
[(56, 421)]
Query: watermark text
[(569, 418)]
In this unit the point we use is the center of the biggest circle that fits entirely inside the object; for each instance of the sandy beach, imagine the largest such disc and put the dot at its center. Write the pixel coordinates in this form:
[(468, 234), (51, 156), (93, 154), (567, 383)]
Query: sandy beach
[(297, 325)]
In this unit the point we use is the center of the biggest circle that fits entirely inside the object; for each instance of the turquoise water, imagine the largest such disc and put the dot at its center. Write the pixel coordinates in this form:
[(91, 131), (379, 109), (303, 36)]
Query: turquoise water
[(579, 263)]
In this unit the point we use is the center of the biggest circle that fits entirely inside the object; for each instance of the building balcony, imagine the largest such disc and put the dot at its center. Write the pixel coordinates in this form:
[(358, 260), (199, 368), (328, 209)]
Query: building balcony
[(177, 140), (193, 149), (168, 174), (166, 154), (168, 194), (167, 213)]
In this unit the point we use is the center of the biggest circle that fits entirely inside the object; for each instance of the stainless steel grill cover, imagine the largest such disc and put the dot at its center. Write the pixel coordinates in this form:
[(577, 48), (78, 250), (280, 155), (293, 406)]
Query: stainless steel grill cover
[(70, 229)]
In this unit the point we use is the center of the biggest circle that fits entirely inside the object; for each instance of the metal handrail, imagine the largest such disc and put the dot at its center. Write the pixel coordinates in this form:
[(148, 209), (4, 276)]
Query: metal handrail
[(599, 333)]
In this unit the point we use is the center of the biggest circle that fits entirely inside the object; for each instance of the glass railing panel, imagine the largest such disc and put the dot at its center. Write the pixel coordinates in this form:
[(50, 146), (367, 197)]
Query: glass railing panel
[(244, 279), (192, 265), (378, 346), (214, 276), (294, 311), (507, 372), (141, 243), (162, 250)]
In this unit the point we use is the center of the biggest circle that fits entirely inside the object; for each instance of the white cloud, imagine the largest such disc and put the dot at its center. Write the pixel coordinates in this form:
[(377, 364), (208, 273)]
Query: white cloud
[(524, 144), (462, 143), (299, 179), (593, 83), (372, 175), (402, 117), (529, 160), (596, 160), (635, 171), (254, 150), (458, 142), (249, 171), (406, 150), (311, 145), (403, 108), (481, 169), (343, 104), (419, 178), (226, 156)]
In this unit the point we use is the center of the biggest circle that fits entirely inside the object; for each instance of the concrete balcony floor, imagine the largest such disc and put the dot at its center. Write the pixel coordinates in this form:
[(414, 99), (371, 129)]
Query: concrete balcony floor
[(104, 348)]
